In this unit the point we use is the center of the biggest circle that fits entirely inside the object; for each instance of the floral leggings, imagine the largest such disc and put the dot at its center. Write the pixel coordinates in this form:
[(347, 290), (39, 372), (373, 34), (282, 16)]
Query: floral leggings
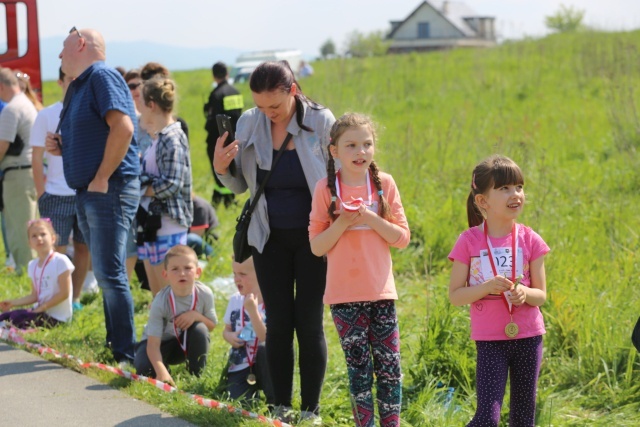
[(369, 330)]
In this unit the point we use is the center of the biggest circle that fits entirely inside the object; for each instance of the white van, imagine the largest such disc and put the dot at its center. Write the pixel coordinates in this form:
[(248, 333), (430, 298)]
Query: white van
[(247, 62)]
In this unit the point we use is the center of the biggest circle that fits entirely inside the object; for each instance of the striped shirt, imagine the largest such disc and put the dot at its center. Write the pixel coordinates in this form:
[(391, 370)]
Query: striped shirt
[(98, 90)]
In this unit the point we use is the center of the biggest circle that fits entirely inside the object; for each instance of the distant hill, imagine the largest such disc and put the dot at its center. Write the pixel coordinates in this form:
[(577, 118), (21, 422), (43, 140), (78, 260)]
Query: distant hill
[(134, 54)]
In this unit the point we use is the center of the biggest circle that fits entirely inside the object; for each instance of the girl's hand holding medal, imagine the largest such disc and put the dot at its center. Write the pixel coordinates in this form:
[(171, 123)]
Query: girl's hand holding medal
[(497, 285), (353, 212), (518, 294)]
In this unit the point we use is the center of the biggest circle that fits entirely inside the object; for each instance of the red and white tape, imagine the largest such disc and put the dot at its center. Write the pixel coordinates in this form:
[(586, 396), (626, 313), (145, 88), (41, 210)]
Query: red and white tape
[(14, 335)]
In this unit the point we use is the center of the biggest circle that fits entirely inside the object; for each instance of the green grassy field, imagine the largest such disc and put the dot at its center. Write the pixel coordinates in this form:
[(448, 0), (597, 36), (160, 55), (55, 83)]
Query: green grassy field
[(565, 108)]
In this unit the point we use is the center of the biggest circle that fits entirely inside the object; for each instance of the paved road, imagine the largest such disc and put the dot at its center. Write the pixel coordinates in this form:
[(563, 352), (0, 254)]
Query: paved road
[(35, 392)]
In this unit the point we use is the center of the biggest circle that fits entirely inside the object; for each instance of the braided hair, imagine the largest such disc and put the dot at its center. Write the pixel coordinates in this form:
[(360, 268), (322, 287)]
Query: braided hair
[(344, 123)]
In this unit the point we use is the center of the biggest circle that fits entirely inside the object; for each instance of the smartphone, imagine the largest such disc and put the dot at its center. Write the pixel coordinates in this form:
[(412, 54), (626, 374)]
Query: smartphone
[(224, 125)]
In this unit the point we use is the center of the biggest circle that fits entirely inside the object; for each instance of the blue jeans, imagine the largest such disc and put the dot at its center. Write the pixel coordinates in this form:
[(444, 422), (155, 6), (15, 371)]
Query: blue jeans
[(105, 220), (199, 245)]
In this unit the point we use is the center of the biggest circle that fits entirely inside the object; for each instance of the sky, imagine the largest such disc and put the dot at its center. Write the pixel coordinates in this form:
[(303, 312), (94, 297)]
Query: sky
[(189, 34), (300, 24)]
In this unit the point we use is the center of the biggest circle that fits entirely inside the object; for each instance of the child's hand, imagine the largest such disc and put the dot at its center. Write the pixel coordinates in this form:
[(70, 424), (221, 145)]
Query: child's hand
[(186, 319), (234, 340), (165, 377), (5, 305), (497, 285), (251, 302), (518, 295), (350, 218)]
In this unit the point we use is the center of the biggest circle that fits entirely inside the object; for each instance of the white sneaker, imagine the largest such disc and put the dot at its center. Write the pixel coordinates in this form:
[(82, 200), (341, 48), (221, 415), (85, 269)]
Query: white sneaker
[(90, 285), (10, 263)]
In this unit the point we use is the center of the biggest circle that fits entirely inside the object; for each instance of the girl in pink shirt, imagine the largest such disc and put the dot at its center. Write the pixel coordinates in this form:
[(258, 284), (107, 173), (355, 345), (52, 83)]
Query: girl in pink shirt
[(356, 215), (504, 296)]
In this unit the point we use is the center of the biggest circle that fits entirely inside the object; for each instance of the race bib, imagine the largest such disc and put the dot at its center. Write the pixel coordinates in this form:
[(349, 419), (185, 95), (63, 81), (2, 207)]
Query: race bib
[(502, 259)]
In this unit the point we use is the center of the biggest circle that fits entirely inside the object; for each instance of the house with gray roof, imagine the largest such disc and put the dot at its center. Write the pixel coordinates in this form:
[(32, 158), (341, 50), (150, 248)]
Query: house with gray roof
[(453, 25)]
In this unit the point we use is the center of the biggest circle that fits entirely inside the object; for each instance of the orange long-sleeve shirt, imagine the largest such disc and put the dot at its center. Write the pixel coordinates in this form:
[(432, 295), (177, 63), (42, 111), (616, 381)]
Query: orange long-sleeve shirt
[(359, 265)]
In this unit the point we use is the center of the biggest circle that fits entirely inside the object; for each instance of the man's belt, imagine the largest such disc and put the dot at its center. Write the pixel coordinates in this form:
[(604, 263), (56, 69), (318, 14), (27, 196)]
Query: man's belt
[(16, 168)]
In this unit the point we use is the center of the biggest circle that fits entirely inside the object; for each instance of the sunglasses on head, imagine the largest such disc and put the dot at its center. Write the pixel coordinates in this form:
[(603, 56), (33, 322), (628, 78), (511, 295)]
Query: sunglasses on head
[(77, 31), (133, 86)]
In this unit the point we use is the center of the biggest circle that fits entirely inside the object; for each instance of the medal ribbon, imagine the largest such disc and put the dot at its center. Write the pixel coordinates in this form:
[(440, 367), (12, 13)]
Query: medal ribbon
[(514, 258), (251, 350), (172, 303), (38, 284), (368, 188)]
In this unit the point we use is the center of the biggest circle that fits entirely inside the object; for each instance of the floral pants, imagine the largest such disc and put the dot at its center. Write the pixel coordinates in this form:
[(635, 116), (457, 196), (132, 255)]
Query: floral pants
[(371, 343)]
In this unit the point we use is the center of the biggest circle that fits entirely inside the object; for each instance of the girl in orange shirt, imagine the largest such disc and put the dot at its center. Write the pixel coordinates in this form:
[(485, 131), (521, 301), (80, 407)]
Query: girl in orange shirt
[(356, 215)]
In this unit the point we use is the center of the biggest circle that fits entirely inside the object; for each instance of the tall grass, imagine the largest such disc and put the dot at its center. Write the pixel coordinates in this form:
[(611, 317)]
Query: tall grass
[(565, 108)]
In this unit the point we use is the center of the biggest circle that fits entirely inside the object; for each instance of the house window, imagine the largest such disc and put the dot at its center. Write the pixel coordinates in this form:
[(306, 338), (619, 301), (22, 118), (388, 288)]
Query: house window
[(423, 30)]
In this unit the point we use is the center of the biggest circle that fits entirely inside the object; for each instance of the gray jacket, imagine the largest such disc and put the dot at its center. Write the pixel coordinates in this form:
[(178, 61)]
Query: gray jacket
[(256, 148)]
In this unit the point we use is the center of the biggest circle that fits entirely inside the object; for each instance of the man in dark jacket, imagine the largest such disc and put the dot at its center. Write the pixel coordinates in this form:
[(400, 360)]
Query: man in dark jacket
[(224, 99)]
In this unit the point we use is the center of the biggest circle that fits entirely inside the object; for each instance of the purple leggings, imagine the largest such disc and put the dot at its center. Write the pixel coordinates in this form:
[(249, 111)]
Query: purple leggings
[(23, 319), (520, 360)]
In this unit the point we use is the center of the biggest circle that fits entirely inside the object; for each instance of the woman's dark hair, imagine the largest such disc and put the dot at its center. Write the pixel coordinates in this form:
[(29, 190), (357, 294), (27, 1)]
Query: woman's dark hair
[(492, 172), (340, 126), (277, 75), (132, 74)]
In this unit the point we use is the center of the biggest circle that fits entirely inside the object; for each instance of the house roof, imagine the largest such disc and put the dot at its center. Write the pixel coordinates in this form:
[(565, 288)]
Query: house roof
[(455, 15), (456, 12)]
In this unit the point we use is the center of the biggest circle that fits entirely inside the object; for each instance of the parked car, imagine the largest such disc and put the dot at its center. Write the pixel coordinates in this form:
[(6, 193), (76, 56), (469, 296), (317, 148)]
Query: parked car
[(247, 62)]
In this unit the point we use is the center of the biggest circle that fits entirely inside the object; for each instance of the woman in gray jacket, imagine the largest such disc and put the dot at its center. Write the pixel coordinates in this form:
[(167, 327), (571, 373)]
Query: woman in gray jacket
[(291, 278)]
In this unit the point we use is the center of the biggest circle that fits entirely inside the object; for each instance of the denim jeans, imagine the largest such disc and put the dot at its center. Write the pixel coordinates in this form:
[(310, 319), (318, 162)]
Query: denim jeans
[(105, 219), (199, 245)]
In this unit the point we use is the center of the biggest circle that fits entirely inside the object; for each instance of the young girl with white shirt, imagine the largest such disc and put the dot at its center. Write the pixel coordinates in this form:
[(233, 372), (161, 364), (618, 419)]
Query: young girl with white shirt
[(504, 295), (50, 275), (356, 216)]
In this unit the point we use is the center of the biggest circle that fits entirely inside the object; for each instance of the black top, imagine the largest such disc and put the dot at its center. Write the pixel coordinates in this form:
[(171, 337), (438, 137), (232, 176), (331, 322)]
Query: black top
[(215, 106), (287, 193), (204, 215)]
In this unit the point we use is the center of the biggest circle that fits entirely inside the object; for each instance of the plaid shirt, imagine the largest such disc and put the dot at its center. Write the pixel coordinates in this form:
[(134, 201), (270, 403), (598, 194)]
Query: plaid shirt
[(173, 186)]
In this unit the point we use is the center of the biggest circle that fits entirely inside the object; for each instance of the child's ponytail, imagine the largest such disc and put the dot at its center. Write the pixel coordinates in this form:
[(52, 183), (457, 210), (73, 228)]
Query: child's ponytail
[(474, 215), (384, 210)]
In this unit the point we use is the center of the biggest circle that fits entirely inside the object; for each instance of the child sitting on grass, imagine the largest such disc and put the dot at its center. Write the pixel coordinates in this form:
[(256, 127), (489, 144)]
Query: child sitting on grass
[(50, 275), (181, 317), (246, 332)]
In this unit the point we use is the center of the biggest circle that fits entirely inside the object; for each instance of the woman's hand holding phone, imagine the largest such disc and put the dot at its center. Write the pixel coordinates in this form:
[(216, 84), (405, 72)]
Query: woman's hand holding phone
[(226, 146)]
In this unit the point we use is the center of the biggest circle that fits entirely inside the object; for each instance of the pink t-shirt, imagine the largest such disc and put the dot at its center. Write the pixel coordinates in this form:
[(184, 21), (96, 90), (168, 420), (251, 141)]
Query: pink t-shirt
[(359, 266), (489, 315)]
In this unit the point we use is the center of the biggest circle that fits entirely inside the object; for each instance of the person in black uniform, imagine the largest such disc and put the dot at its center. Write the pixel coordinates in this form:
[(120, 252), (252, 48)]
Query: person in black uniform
[(224, 99)]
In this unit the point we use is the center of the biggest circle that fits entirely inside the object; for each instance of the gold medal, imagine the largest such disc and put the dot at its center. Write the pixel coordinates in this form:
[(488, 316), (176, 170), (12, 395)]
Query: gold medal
[(251, 379), (511, 330)]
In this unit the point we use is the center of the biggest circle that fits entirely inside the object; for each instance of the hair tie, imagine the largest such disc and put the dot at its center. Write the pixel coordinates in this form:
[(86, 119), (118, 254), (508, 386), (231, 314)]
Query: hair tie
[(333, 198), (380, 192), (473, 182)]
